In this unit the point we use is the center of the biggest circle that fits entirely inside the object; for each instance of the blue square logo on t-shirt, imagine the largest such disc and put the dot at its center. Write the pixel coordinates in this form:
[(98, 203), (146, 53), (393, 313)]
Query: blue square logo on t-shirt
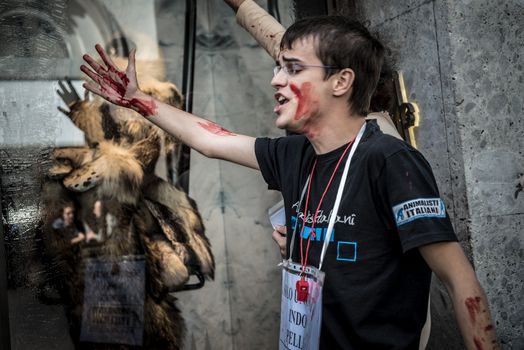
[(347, 251)]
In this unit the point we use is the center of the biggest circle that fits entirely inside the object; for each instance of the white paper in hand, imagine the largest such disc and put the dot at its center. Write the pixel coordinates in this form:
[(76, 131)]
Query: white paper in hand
[(277, 215)]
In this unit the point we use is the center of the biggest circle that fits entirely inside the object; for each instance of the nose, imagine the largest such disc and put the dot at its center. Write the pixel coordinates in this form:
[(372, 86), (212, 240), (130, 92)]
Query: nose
[(279, 79)]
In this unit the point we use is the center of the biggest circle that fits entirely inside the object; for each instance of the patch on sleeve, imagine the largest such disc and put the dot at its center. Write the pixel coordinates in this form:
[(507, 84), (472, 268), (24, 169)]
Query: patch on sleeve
[(418, 209)]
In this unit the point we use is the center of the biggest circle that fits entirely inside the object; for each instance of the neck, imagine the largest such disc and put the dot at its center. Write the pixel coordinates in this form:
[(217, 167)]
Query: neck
[(334, 132)]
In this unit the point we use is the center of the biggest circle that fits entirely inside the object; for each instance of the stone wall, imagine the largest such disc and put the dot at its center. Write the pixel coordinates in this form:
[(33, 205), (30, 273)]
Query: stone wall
[(462, 63)]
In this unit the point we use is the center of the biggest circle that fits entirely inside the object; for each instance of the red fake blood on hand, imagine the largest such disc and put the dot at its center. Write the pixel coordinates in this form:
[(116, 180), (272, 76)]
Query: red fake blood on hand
[(119, 86), (473, 305), (114, 80), (215, 129)]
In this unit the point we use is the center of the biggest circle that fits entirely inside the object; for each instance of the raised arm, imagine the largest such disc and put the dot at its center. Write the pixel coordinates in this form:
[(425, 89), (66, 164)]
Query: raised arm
[(266, 30), (204, 136), (450, 264)]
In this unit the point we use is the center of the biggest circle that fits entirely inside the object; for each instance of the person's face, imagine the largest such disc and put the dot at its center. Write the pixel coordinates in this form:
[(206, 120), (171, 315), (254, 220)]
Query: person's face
[(68, 215), (302, 92)]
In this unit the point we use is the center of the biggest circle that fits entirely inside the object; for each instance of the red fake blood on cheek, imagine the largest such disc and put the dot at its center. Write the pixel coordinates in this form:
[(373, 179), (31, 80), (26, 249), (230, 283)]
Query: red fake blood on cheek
[(473, 305), (305, 99), (215, 129)]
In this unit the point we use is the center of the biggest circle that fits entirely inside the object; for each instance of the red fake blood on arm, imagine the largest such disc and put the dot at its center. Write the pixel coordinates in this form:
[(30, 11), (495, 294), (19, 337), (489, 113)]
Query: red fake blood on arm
[(478, 344), (473, 305), (488, 328), (146, 108), (215, 129)]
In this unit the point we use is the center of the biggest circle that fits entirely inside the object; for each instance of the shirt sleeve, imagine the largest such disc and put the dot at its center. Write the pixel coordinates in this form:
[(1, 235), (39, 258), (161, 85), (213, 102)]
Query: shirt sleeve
[(277, 157), (418, 211)]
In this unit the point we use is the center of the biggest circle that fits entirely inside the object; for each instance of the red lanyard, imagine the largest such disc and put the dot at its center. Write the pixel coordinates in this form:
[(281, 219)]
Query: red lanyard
[(304, 258)]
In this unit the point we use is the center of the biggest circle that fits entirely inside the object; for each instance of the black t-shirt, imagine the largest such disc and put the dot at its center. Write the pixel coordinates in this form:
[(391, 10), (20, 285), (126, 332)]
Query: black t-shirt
[(377, 286)]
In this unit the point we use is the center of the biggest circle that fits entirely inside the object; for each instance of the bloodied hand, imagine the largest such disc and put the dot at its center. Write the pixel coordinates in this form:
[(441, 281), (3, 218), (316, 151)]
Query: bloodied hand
[(116, 86)]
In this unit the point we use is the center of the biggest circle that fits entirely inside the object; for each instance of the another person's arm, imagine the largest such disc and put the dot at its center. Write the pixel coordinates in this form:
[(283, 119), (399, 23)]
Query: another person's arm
[(78, 238), (450, 264), (206, 137), (266, 30)]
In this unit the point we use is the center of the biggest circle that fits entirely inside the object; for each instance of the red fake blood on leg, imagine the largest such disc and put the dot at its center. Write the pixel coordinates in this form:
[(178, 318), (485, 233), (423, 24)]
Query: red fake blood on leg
[(215, 129), (473, 305), (305, 101)]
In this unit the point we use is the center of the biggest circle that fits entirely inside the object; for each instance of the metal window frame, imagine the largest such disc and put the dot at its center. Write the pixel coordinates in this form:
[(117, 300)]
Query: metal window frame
[(5, 332), (184, 159)]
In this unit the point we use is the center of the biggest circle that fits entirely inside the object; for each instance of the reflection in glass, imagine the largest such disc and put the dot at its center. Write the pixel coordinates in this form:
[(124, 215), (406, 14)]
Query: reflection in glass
[(92, 225)]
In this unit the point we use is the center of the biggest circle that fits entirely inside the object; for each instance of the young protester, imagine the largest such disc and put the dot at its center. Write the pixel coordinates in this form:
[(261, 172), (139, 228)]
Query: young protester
[(363, 207), (268, 32)]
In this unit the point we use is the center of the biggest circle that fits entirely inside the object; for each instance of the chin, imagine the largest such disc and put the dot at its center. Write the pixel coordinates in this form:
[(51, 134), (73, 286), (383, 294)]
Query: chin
[(280, 122)]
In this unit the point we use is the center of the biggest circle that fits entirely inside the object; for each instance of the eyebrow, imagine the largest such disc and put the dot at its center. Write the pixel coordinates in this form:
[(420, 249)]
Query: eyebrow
[(288, 59)]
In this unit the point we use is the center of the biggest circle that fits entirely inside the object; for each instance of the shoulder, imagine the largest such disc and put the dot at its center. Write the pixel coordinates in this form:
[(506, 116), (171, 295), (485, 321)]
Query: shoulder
[(281, 144), (279, 158), (385, 123), (385, 150), (380, 146), (386, 146), (290, 139)]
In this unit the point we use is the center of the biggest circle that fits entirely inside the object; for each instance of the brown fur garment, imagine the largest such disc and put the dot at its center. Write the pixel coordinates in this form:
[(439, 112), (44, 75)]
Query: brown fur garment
[(141, 214)]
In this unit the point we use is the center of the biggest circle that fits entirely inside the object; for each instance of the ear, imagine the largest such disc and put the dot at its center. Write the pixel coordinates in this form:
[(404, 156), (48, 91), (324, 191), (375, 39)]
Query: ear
[(343, 81), (73, 156)]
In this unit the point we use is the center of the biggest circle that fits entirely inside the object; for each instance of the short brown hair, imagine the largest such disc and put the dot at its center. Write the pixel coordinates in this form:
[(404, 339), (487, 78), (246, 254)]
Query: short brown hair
[(343, 43)]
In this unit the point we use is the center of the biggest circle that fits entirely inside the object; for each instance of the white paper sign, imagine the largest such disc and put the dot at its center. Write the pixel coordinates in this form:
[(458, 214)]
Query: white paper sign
[(300, 321), (114, 294)]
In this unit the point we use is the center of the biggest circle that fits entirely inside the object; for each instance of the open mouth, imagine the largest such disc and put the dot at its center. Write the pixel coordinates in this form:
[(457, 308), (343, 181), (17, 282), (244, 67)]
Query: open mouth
[(282, 100)]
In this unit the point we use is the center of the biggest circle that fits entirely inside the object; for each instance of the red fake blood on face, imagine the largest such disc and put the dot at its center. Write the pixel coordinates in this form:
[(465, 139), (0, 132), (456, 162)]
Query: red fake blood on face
[(478, 344), (215, 129), (305, 100), (146, 108), (473, 305)]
